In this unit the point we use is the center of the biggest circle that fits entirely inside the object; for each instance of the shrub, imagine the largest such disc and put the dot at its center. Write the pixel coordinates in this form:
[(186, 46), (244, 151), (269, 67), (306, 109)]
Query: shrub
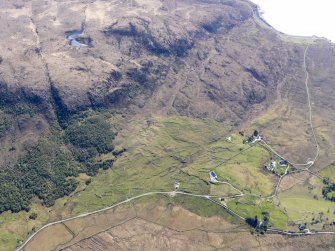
[(33, 216), (88, 181), (328, 192), (5, 122)]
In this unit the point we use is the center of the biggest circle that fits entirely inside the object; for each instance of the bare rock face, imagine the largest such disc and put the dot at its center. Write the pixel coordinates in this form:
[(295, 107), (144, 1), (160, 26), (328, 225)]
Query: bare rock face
[(202, 58)]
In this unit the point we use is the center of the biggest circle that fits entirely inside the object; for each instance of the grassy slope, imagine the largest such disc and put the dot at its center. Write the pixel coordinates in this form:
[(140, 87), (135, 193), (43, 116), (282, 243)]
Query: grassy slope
[(246, 172), (304, 202), (249, 207), (175, 149)]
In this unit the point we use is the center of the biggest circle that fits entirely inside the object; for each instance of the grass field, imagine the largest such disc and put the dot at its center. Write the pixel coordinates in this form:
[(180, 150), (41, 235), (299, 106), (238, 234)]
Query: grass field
[(155, 160), (301, 207), (304, 203), (249, 207), (329, 172), (246, 172)]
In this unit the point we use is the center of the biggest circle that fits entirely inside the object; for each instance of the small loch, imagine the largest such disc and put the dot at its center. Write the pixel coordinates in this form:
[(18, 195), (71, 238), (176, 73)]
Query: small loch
[(72, 37)]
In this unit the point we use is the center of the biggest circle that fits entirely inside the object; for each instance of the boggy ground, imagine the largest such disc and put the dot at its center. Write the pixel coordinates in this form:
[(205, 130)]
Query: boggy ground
[(157, 225)]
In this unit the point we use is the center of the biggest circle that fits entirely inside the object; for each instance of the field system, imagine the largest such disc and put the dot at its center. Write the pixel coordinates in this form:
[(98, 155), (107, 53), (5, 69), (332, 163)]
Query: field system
[(205, 168)]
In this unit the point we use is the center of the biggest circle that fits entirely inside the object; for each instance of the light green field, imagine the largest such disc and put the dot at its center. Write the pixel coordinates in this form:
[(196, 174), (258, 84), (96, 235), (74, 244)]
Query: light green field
[(246, 172), (157, 157), (329, 172), (249, 207), (280, 170), (303, 207)]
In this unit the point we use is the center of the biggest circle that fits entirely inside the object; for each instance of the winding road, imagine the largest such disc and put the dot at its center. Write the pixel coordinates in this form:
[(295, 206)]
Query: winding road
[(171, 193)]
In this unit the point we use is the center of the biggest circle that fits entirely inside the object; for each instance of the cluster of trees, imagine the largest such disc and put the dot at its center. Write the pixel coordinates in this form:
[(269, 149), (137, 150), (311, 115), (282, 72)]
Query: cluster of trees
[(93, 168), (90, 136), (249, 139), (260, 226), (328, 192), (46, 171), (33, 216), (8, 111), (254, 97), (4, 122), (21, 108)]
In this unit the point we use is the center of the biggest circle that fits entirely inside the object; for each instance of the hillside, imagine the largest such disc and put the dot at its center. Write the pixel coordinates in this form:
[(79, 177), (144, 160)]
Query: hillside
[(211, 61), (101, 101)]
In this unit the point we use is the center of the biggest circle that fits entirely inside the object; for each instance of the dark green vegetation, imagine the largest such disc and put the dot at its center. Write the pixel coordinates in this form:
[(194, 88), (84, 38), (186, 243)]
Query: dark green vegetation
[(21, 108), (5, 121), (328, 192), (43, 172), (49, 169), (260, 226), (33, 216), (9, 112), (92, 135)]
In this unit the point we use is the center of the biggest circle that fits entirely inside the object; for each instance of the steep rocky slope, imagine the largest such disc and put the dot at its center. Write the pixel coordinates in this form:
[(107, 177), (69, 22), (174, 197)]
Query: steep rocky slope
[(200, 58)]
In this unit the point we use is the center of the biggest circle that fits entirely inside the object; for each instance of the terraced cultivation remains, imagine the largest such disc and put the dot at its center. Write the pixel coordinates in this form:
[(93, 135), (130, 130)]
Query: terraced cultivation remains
[(177, 149), (164, 151)]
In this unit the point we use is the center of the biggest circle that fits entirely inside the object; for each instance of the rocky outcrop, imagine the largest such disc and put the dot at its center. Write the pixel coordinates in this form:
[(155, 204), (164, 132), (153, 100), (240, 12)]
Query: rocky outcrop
[(158, 36)]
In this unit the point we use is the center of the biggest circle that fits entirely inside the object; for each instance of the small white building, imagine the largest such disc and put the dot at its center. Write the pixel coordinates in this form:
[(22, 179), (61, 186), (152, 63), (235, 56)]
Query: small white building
[(271, 166), (213, 177)]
